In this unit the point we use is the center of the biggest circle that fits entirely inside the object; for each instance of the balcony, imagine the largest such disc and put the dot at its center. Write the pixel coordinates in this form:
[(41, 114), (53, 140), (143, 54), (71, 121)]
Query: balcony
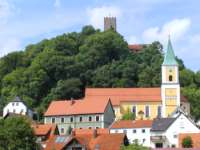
[(159, 138)]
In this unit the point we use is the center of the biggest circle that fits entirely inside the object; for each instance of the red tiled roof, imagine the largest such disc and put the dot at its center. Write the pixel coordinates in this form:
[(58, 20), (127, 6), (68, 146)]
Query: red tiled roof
[(135, 47), (91, 131), (118, 95), (105, 141), (67, 107), (43, 129), (132, 124), (195, 139)]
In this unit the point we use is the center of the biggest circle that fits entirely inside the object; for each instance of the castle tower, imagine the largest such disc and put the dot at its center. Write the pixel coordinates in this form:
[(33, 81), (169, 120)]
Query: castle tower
[(170, 88), (110, 22)]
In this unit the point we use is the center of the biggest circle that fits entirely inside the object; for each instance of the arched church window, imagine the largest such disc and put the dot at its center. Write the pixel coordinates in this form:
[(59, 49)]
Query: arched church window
[(170, 78)]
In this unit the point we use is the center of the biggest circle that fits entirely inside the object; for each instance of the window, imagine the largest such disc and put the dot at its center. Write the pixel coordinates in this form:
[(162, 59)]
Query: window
[(13, 110), (71, 119), (97, 127), (175, 136), (124, 131), (170, 77), (17, 104), (143, 130), (90, 128), (116, 131), (22, 111), (62, 120), (80, 119), (53, 120), (134, 109), (90, 118), (146, 111), (134, 131), (97, 118), (62, 130), (143, 140), (13, 104), (159, 115)]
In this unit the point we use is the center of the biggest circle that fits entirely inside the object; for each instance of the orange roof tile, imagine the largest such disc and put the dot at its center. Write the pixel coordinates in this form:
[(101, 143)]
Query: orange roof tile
[(105, 141), (195, 139), (68, 107), (132, 124), (43, 129), (135, 47), (118, 95), (91, 131), (108, 141)]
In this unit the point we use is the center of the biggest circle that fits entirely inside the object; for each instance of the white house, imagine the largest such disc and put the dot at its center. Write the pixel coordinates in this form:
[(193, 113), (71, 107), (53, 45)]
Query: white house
[(136, 130), (17, 106), (165, 131)]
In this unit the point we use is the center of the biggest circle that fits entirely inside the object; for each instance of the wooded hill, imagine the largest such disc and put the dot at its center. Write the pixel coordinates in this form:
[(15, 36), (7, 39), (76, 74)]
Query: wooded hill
[(61, 68)]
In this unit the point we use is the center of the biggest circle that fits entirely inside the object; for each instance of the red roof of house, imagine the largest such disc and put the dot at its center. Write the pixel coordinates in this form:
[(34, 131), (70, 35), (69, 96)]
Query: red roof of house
[(105, 141), (118, 95), (195, 139), (135, 47), (43, 129), (69, 107), (91, 131), (132, 124)]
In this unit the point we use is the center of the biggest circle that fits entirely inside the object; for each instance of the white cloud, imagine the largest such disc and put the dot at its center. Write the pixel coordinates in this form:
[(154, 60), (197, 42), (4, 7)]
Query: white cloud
[(57, 4), (97, 14), (132, 39), (175, 28)]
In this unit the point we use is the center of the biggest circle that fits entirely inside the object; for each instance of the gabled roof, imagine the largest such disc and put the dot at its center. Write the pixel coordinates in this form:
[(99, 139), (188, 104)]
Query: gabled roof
[(162, 124), (75, 107), (123, 124), (105, 141), (118, 95), (135, 47), (170, 58), (17, 99), (44, 129)]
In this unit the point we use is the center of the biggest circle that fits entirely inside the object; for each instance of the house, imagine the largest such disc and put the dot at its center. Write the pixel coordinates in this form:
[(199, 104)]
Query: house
[(195, 137), (17, 106), (80, 114), (88, 139), (136, 130), (165, 131), (147, 103), (43, 132)]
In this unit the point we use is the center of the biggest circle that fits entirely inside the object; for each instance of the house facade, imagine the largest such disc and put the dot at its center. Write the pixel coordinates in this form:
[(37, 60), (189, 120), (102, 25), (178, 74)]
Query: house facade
[(165, 131), (147, 103), (81, 114), (137, 131), (17, 106)]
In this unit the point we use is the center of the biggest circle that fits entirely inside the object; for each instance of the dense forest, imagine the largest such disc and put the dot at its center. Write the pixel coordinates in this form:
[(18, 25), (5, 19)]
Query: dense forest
[(61, 68)]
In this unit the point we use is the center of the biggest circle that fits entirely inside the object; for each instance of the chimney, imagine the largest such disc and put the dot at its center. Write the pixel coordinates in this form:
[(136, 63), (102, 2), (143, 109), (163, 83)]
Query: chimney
[(94, 133), (73, 133), (72, 101), (110, 23)]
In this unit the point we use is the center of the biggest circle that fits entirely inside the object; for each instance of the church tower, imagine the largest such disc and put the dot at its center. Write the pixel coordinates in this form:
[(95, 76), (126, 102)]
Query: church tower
[(170, 88)]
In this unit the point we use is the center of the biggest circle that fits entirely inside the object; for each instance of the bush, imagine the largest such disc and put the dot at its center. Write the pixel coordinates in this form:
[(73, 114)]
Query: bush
[(187, 142)]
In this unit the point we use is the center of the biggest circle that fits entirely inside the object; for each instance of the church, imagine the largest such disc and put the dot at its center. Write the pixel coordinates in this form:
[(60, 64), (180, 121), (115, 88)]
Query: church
[(147, 103)]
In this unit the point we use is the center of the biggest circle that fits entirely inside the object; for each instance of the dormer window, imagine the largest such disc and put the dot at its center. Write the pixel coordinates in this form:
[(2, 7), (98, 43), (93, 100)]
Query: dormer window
[(170, 78)]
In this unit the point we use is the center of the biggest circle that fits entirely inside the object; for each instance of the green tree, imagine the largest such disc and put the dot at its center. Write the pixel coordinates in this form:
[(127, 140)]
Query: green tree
[(16, 133), (128, 115), (134, 146), (187, 142)]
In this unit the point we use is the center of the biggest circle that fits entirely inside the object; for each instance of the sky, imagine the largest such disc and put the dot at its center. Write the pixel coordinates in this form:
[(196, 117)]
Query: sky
[(24, 22)]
